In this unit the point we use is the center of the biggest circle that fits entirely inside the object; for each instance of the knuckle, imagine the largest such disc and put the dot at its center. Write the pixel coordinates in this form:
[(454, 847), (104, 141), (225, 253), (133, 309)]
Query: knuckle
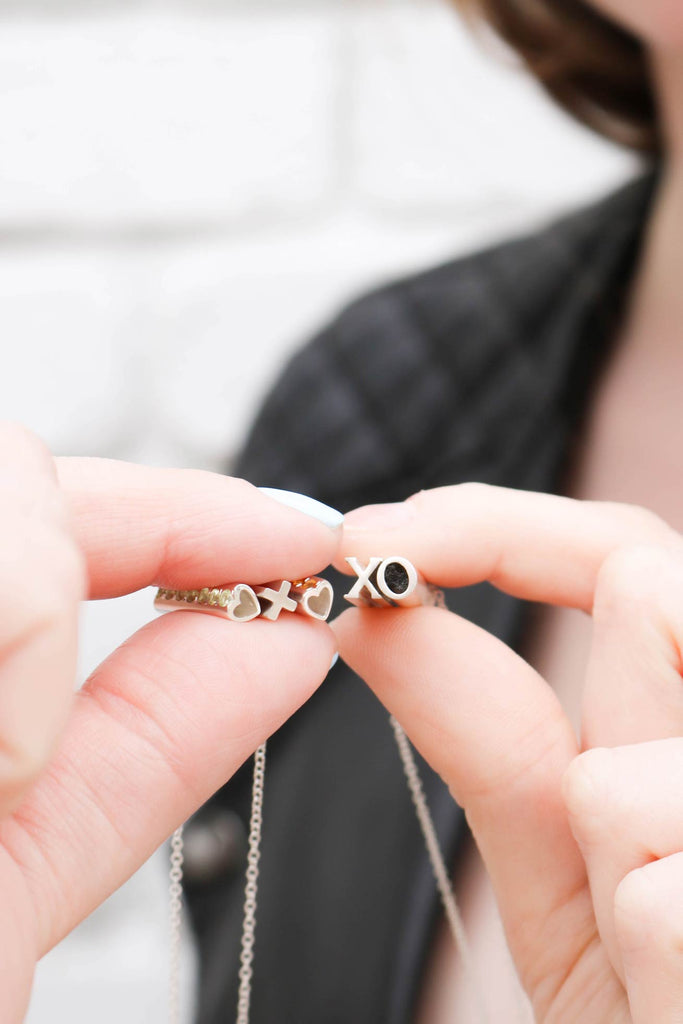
[(21, 764), (30, 494), (66, 575), (586, 789), (12, 430), (44, 577), (644, 912), (628, 576), (644, 524), (632, 908), (69, 569), (18, 439), (57, 559)]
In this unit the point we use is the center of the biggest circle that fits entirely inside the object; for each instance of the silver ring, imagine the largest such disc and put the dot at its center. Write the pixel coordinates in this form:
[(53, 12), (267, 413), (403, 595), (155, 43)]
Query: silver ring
[(237, 602), (391, 582), (311, 596)]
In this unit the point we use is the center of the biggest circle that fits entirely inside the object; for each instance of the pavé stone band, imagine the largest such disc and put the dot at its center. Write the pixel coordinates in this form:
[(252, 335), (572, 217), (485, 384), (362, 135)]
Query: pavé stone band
[(240, 602)]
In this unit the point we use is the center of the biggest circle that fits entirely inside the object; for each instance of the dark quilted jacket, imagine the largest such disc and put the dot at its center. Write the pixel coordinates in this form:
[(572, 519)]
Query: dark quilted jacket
[(477, 370)]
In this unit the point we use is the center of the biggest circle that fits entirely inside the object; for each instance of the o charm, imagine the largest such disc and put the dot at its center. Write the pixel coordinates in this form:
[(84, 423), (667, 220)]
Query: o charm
[(397, 578)]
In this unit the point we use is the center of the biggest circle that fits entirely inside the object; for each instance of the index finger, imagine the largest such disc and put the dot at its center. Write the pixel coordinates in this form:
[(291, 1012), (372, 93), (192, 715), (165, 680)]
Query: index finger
[(540, 547), (140, 526)]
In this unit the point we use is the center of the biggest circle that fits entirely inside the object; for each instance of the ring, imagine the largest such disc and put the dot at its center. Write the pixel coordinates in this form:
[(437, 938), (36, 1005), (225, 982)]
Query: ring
[(392, 582), (237, 602), (240, 602), (311, 596)]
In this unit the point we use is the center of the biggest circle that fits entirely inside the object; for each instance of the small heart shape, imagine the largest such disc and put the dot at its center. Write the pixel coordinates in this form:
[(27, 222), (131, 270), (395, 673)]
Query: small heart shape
[(317, 600), (243, 605)]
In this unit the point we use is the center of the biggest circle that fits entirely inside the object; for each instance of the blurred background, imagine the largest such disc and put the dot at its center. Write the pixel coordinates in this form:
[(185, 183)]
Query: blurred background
[(188, 190)]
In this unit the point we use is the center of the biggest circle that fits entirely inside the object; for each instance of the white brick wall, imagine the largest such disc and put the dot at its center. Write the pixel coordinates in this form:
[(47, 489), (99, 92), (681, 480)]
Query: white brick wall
[(186, 190), (178, 180), (157, 121)]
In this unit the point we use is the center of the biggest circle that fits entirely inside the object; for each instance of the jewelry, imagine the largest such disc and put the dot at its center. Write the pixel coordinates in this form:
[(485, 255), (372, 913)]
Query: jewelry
[(443, 882), (251, 887), (390, 582), (249, 911), (175, 913), (237, 602), (312, 596), (383, 582), (275, 597)]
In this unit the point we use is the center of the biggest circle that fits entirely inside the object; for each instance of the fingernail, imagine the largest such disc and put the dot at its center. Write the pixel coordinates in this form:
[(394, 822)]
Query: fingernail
[(334, 661), (380, 517), (302, 503)]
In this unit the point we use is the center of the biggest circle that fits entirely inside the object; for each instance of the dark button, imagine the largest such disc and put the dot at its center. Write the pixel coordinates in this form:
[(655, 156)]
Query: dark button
[(215, 845)]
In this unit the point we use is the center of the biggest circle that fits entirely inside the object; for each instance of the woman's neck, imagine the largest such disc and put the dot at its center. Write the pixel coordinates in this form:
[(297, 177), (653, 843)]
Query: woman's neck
[(657, 301)]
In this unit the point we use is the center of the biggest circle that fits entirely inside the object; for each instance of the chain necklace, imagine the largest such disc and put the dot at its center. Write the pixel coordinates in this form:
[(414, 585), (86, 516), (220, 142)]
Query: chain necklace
[(443, 882), (382, 582), (175, 908), (441, 875), (251, 887)]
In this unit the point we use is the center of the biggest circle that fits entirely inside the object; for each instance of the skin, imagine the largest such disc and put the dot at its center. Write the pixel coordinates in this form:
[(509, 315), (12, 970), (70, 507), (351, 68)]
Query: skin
[(92, 783), (569, 830), (583, 849), (581, 839), (657, 22)]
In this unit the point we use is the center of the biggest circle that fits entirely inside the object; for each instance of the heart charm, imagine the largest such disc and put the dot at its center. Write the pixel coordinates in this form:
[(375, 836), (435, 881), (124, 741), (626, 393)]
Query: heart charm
[(315, 598), (243, 604)]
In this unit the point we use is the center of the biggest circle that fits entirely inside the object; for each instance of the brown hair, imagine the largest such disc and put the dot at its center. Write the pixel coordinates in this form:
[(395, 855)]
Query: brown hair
[(596, 70)]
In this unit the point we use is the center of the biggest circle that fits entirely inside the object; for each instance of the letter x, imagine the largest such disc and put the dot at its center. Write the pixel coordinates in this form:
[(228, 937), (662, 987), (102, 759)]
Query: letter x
[(364, 582), (280, 601)]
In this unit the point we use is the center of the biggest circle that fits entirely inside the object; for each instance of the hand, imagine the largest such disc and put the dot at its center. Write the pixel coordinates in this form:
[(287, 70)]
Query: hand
[(169, 716), (584, 850)]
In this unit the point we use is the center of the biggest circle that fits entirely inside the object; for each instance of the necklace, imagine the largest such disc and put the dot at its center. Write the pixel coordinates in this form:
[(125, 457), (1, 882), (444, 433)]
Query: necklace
[(175, 907), (175, 891), (251, 887), (439, 868)]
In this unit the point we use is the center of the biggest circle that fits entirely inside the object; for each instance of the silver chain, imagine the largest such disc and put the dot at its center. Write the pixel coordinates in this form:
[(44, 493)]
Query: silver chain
[(441, 875), (251, 887), (175, 890), (175, 893)]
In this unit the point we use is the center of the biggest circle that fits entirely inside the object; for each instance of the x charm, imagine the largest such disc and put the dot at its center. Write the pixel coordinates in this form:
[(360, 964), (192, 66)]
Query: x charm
[(278, 600)]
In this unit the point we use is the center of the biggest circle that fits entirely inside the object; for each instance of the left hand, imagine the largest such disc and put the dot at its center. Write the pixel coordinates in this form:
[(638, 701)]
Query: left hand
[(92, 783), (584, 850)]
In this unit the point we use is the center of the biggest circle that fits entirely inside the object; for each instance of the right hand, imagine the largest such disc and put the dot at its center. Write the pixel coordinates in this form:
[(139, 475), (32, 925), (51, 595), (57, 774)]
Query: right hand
[(584, 850)]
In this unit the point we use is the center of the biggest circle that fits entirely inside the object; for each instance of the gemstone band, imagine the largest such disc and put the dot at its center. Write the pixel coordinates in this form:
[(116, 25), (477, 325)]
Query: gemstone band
[(240, 602)]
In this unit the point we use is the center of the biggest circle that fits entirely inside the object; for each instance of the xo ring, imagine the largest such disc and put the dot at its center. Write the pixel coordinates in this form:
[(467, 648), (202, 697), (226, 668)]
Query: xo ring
[(391, 582), (311, 596)]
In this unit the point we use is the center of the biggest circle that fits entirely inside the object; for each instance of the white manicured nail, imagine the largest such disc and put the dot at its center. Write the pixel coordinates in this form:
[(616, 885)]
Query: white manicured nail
[(302, 503), (334, 661)]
